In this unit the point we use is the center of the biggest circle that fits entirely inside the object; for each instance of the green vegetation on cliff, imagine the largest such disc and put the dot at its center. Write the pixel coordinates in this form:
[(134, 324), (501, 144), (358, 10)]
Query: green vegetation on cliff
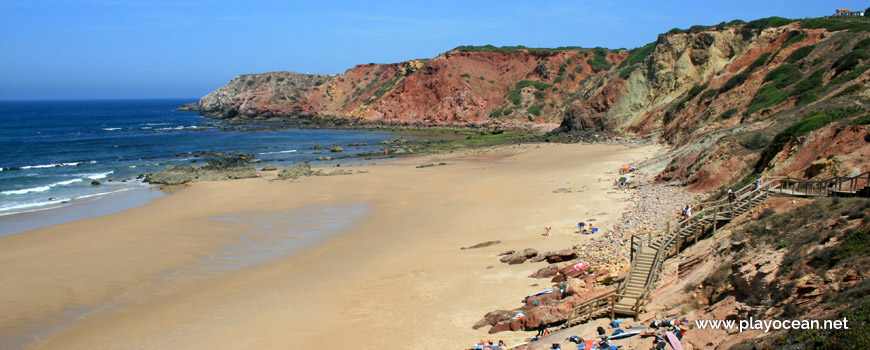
[(809, 123)]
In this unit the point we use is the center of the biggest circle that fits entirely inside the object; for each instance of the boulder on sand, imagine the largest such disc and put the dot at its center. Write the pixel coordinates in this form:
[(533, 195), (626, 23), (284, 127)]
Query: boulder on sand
[(545, 272), (519, 257), (295, 171)]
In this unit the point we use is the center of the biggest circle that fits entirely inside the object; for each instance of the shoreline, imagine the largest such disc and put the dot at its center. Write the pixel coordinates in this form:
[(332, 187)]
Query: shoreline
[(404, 255), (78, 209)]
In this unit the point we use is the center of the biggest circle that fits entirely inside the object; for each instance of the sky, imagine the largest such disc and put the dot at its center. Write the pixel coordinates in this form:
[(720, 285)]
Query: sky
[(102, 49)]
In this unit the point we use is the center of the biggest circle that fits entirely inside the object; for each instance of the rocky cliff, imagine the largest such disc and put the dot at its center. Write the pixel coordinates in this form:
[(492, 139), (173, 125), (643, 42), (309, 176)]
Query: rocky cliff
[(719, 93)]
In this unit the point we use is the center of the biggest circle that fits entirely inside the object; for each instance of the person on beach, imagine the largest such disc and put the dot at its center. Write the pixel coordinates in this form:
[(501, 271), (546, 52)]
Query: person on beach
[(547, 230), (581, 225)]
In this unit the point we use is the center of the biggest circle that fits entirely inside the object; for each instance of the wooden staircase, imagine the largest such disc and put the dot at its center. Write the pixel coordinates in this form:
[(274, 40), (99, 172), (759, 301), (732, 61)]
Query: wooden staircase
[(648, 254)]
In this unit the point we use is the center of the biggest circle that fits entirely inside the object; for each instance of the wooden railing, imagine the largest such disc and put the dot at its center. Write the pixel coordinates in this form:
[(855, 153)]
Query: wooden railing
[(693, 227), (592, 308), (825, 187)]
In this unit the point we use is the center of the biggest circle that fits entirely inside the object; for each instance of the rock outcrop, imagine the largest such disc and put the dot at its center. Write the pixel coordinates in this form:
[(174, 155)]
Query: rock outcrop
[(176, 175)]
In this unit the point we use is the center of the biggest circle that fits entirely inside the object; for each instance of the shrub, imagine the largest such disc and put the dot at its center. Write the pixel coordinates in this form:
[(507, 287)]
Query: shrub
[(833, 24), (736, 80), (540, 95), (496, 113), (811, 83), (848, 76), (756, 26), (537, 84), (800, 53), (709, 94), (767, 96), (250, 82), (508, 111), (754, 141), (784, 76), (849, 61), (280, 79), (864, 44), (598, 63), (759, 62), (515, 96), (638, 55), (806, 125), (600, 51), (727, 114), (578, 69), (862, 120), (625, 73), (572, 76), (694, 91), (465, 75), (850, 90), (536, 109), (793, 40), (559, 79)]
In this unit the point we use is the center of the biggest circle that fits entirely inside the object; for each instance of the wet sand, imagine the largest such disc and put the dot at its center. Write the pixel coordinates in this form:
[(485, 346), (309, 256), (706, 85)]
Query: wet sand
[(388, 274)]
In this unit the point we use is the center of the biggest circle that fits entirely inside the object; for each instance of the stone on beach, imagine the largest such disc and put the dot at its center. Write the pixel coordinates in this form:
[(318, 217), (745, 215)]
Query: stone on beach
[(295, 171)]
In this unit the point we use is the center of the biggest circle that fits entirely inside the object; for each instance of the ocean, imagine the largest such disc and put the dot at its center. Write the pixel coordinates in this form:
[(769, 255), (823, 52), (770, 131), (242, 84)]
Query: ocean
[(51, 151)]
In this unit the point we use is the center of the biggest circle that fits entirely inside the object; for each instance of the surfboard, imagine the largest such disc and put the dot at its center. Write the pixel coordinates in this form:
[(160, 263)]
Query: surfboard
[(623, 335), (675, 343), (516, 345)]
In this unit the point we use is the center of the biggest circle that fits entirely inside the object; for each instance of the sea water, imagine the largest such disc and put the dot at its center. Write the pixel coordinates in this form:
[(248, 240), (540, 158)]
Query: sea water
[(52, 151)]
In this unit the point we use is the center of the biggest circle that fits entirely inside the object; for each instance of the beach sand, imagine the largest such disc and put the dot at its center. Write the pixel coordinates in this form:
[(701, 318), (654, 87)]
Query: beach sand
[(167, 275)]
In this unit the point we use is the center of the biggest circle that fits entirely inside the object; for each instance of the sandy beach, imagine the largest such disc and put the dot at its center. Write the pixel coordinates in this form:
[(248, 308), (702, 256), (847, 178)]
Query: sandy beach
[(236, 264)]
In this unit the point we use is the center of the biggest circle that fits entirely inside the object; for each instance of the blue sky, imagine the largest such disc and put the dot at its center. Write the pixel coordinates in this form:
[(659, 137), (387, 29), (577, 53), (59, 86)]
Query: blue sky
[(93, 49)]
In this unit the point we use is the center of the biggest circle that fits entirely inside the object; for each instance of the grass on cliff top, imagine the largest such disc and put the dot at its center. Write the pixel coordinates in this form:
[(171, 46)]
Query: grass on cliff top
[(851, 23), (519, 48), (638, 55), (599, 63)]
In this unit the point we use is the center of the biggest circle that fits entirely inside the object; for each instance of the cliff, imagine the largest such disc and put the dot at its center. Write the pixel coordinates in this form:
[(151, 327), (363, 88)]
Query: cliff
[(720, 94)]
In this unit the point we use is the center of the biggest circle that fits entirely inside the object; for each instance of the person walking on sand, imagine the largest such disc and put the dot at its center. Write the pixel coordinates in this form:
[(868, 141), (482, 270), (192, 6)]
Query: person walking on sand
[(547, 230)]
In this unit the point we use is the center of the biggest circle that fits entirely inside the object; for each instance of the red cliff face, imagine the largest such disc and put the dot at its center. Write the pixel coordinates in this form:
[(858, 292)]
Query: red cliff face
[(458, 88), (703, 90)]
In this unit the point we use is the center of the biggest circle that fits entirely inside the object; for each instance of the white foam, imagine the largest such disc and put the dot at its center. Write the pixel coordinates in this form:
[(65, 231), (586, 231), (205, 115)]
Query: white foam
[(8, 209), (276, 152), (55, 165), (68, 182), (97, 176), (49, 186), (111, 129), (28, 190)]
